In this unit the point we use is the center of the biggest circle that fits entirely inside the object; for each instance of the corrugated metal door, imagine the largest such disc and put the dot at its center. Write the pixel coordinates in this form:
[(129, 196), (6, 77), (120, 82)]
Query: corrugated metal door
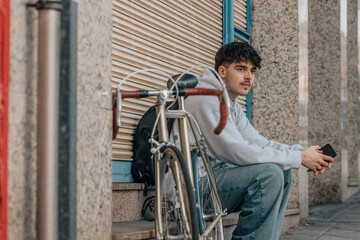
[(240, 14), (167, 35)]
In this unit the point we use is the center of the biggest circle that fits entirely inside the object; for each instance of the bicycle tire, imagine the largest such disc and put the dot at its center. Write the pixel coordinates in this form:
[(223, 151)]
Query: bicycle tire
[(174, 218), (209, 207)]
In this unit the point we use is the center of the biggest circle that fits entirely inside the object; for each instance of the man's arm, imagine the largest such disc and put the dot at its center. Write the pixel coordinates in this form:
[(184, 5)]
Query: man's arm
[(230, 146), (311, 157)]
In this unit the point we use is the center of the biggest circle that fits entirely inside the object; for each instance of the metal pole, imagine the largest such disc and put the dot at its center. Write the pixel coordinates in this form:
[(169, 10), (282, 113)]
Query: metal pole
[(48, 119), (67, 121)]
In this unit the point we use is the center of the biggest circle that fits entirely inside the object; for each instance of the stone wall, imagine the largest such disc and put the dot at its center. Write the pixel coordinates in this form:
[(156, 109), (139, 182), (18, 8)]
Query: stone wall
[(22, 122), (275, 97), (94, 125), (353, 91), (324, 95)]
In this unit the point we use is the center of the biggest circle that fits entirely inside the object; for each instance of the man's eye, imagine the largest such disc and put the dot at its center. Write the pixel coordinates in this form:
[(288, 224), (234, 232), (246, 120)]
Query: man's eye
[(240, 69)]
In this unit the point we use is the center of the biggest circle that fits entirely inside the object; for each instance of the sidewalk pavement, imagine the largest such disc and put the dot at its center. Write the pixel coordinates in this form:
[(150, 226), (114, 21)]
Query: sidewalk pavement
[(329, 222)]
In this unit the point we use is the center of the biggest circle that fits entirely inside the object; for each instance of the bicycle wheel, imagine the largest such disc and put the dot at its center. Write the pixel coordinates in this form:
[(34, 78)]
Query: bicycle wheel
[(179, 216), (210, 208)]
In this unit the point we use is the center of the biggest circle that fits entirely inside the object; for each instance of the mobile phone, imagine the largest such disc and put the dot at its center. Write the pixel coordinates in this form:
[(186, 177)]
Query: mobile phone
[(328, 150)]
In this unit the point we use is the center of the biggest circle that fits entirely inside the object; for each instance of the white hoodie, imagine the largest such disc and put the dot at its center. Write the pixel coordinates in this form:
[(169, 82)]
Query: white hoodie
[(239, 143)]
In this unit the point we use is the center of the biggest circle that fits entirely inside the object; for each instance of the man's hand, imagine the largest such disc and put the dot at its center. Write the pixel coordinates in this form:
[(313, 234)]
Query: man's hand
[(314, 160)]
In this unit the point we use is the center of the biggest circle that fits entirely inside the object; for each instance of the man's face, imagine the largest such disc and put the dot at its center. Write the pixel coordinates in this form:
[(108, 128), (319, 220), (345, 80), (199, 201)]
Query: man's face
[(238, 77)]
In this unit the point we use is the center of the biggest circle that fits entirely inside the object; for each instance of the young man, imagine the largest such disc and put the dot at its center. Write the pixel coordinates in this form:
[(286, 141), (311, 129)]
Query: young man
[(253, 174)]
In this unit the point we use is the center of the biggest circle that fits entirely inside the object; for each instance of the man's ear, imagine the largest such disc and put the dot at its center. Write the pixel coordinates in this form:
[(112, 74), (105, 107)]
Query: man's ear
[(222, 71)]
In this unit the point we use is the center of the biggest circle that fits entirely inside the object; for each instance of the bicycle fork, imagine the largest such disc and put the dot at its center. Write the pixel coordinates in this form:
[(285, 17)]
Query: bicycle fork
[(163, 137)]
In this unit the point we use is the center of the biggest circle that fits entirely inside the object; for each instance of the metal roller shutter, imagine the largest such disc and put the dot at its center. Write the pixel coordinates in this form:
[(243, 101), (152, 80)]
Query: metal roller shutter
[(167, 35), (240, 14)]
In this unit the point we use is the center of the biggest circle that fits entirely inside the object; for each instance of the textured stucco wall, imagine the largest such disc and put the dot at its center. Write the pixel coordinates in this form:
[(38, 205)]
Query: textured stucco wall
[(353, 91), (94, 120), (324, 94), (275, 96), (22, 122)]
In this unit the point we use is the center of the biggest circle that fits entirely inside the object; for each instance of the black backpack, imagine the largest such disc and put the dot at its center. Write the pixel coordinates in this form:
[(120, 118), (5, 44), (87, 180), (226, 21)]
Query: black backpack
[(142, 168)]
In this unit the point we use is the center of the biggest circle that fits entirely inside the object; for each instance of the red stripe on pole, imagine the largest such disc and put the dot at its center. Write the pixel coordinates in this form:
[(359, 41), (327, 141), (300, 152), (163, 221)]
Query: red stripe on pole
[(4, 100)]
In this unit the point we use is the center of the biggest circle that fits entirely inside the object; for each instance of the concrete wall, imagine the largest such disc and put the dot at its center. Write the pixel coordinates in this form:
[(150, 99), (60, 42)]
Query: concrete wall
[(275, 95), (353, 93), (94, 124), (333, 95), (325, 95), (22, 122), (94, 120)]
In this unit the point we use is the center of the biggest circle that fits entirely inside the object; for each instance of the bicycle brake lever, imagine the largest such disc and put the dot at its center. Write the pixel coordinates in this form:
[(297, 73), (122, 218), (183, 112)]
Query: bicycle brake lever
[(118, 99)]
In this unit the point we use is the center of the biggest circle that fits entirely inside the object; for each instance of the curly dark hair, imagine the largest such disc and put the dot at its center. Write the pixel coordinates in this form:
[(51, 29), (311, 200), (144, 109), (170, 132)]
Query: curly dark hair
[(236, 52)]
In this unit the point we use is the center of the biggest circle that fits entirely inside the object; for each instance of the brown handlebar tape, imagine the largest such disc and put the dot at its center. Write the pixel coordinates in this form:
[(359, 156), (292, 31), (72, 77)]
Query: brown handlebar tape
[(223, 118)]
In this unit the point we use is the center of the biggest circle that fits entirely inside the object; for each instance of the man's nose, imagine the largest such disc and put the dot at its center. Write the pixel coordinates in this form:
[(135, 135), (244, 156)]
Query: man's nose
[(248, 74)]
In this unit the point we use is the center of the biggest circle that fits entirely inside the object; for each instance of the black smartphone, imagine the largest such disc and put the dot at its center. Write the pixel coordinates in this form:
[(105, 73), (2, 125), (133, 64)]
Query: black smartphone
[(328, 150)]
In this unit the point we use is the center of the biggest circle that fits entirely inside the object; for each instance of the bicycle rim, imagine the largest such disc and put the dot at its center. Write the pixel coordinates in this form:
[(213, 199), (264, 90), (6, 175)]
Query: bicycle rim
[(179, 216), (209, 206)]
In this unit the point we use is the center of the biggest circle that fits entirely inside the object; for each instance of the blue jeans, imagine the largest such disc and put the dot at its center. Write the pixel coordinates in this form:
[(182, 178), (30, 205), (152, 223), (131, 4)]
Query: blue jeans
[(260, 192)]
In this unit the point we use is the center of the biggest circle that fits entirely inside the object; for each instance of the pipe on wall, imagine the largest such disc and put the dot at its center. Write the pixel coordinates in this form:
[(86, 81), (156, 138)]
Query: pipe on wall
[(48, 118), (67, 184)]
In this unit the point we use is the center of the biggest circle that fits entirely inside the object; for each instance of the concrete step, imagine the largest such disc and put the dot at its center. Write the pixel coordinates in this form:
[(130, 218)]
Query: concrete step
[(133, 230), (128, 224), (127, 201), (145, 230)]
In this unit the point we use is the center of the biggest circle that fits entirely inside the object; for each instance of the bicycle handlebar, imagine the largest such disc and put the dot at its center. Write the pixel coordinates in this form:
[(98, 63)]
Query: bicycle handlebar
[(222, 95), (182, 92)]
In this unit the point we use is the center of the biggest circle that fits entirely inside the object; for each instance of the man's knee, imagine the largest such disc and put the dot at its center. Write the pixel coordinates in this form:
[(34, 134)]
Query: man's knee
[(272, 176), (288, 177)]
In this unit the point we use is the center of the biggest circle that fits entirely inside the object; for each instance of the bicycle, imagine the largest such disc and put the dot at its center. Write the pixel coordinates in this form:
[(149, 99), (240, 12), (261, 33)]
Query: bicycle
[(187, 205)]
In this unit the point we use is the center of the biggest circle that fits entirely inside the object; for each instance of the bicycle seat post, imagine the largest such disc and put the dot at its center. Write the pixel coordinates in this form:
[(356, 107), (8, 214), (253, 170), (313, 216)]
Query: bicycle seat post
[(160, 109)]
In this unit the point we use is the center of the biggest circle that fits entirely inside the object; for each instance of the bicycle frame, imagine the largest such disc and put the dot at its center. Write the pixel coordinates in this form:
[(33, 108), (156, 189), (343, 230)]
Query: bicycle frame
[(212, 183), (184, 120)]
